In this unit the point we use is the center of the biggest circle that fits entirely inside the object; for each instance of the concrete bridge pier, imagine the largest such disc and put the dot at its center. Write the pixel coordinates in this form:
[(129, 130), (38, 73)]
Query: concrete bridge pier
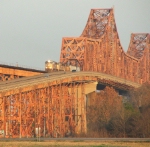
[(80, 111)]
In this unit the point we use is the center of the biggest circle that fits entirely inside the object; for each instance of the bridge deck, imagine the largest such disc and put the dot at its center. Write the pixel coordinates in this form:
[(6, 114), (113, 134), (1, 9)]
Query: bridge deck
[(49, 77)]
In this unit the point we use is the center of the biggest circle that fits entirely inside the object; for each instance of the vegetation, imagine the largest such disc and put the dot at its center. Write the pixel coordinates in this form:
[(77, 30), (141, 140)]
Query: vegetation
[(74, 144), (108, 115)]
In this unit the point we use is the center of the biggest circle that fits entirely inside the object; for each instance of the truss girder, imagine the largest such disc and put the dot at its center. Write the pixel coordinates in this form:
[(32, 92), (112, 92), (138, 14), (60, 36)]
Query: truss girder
[(14, 72), (96, 23), (138, 45), (72, 50), (102, 50)]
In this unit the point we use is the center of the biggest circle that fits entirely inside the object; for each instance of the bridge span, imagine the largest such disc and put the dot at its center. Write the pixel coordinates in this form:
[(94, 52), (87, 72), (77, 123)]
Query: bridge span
[(51, 104), (73, 77), (9, 72)]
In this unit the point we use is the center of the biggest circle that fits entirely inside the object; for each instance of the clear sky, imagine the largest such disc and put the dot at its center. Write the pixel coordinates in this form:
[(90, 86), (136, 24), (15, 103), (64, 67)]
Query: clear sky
[(31, 31)]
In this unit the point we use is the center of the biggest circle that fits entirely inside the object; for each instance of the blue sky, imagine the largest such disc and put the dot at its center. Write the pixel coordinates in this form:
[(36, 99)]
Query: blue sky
[(31, 31)]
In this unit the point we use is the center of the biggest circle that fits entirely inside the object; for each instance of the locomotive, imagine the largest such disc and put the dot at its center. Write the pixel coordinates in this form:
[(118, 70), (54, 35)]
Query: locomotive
[(52, 66)]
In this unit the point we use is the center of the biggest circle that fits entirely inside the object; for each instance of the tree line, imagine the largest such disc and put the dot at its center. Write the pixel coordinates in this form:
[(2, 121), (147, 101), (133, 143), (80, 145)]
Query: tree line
[(112, 115)]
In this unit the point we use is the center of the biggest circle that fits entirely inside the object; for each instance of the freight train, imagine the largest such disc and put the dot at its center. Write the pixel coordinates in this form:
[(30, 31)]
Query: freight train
[(51, 66)]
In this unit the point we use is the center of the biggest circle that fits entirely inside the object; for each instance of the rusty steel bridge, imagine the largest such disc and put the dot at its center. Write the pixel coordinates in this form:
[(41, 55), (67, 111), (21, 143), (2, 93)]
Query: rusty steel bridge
[(54, 104)]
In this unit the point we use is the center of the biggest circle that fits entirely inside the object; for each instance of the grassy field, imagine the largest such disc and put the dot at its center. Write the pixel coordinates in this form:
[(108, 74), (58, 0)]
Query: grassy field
[(74, 144)]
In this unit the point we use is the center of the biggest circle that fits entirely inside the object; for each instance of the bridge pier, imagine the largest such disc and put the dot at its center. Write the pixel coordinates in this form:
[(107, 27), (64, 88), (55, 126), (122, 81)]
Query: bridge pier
[(80, 111)]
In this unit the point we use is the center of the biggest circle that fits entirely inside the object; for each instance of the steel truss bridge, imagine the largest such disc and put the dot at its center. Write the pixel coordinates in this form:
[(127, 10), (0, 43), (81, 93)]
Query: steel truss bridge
[(54, 104)]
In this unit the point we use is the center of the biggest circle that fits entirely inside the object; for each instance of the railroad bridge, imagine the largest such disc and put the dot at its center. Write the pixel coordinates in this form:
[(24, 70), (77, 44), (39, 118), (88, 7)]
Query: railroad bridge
[(10, 72), (54, 104)]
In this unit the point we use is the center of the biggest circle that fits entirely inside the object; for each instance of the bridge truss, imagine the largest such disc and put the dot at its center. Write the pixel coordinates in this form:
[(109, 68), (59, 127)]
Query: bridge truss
[(99, 49)]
